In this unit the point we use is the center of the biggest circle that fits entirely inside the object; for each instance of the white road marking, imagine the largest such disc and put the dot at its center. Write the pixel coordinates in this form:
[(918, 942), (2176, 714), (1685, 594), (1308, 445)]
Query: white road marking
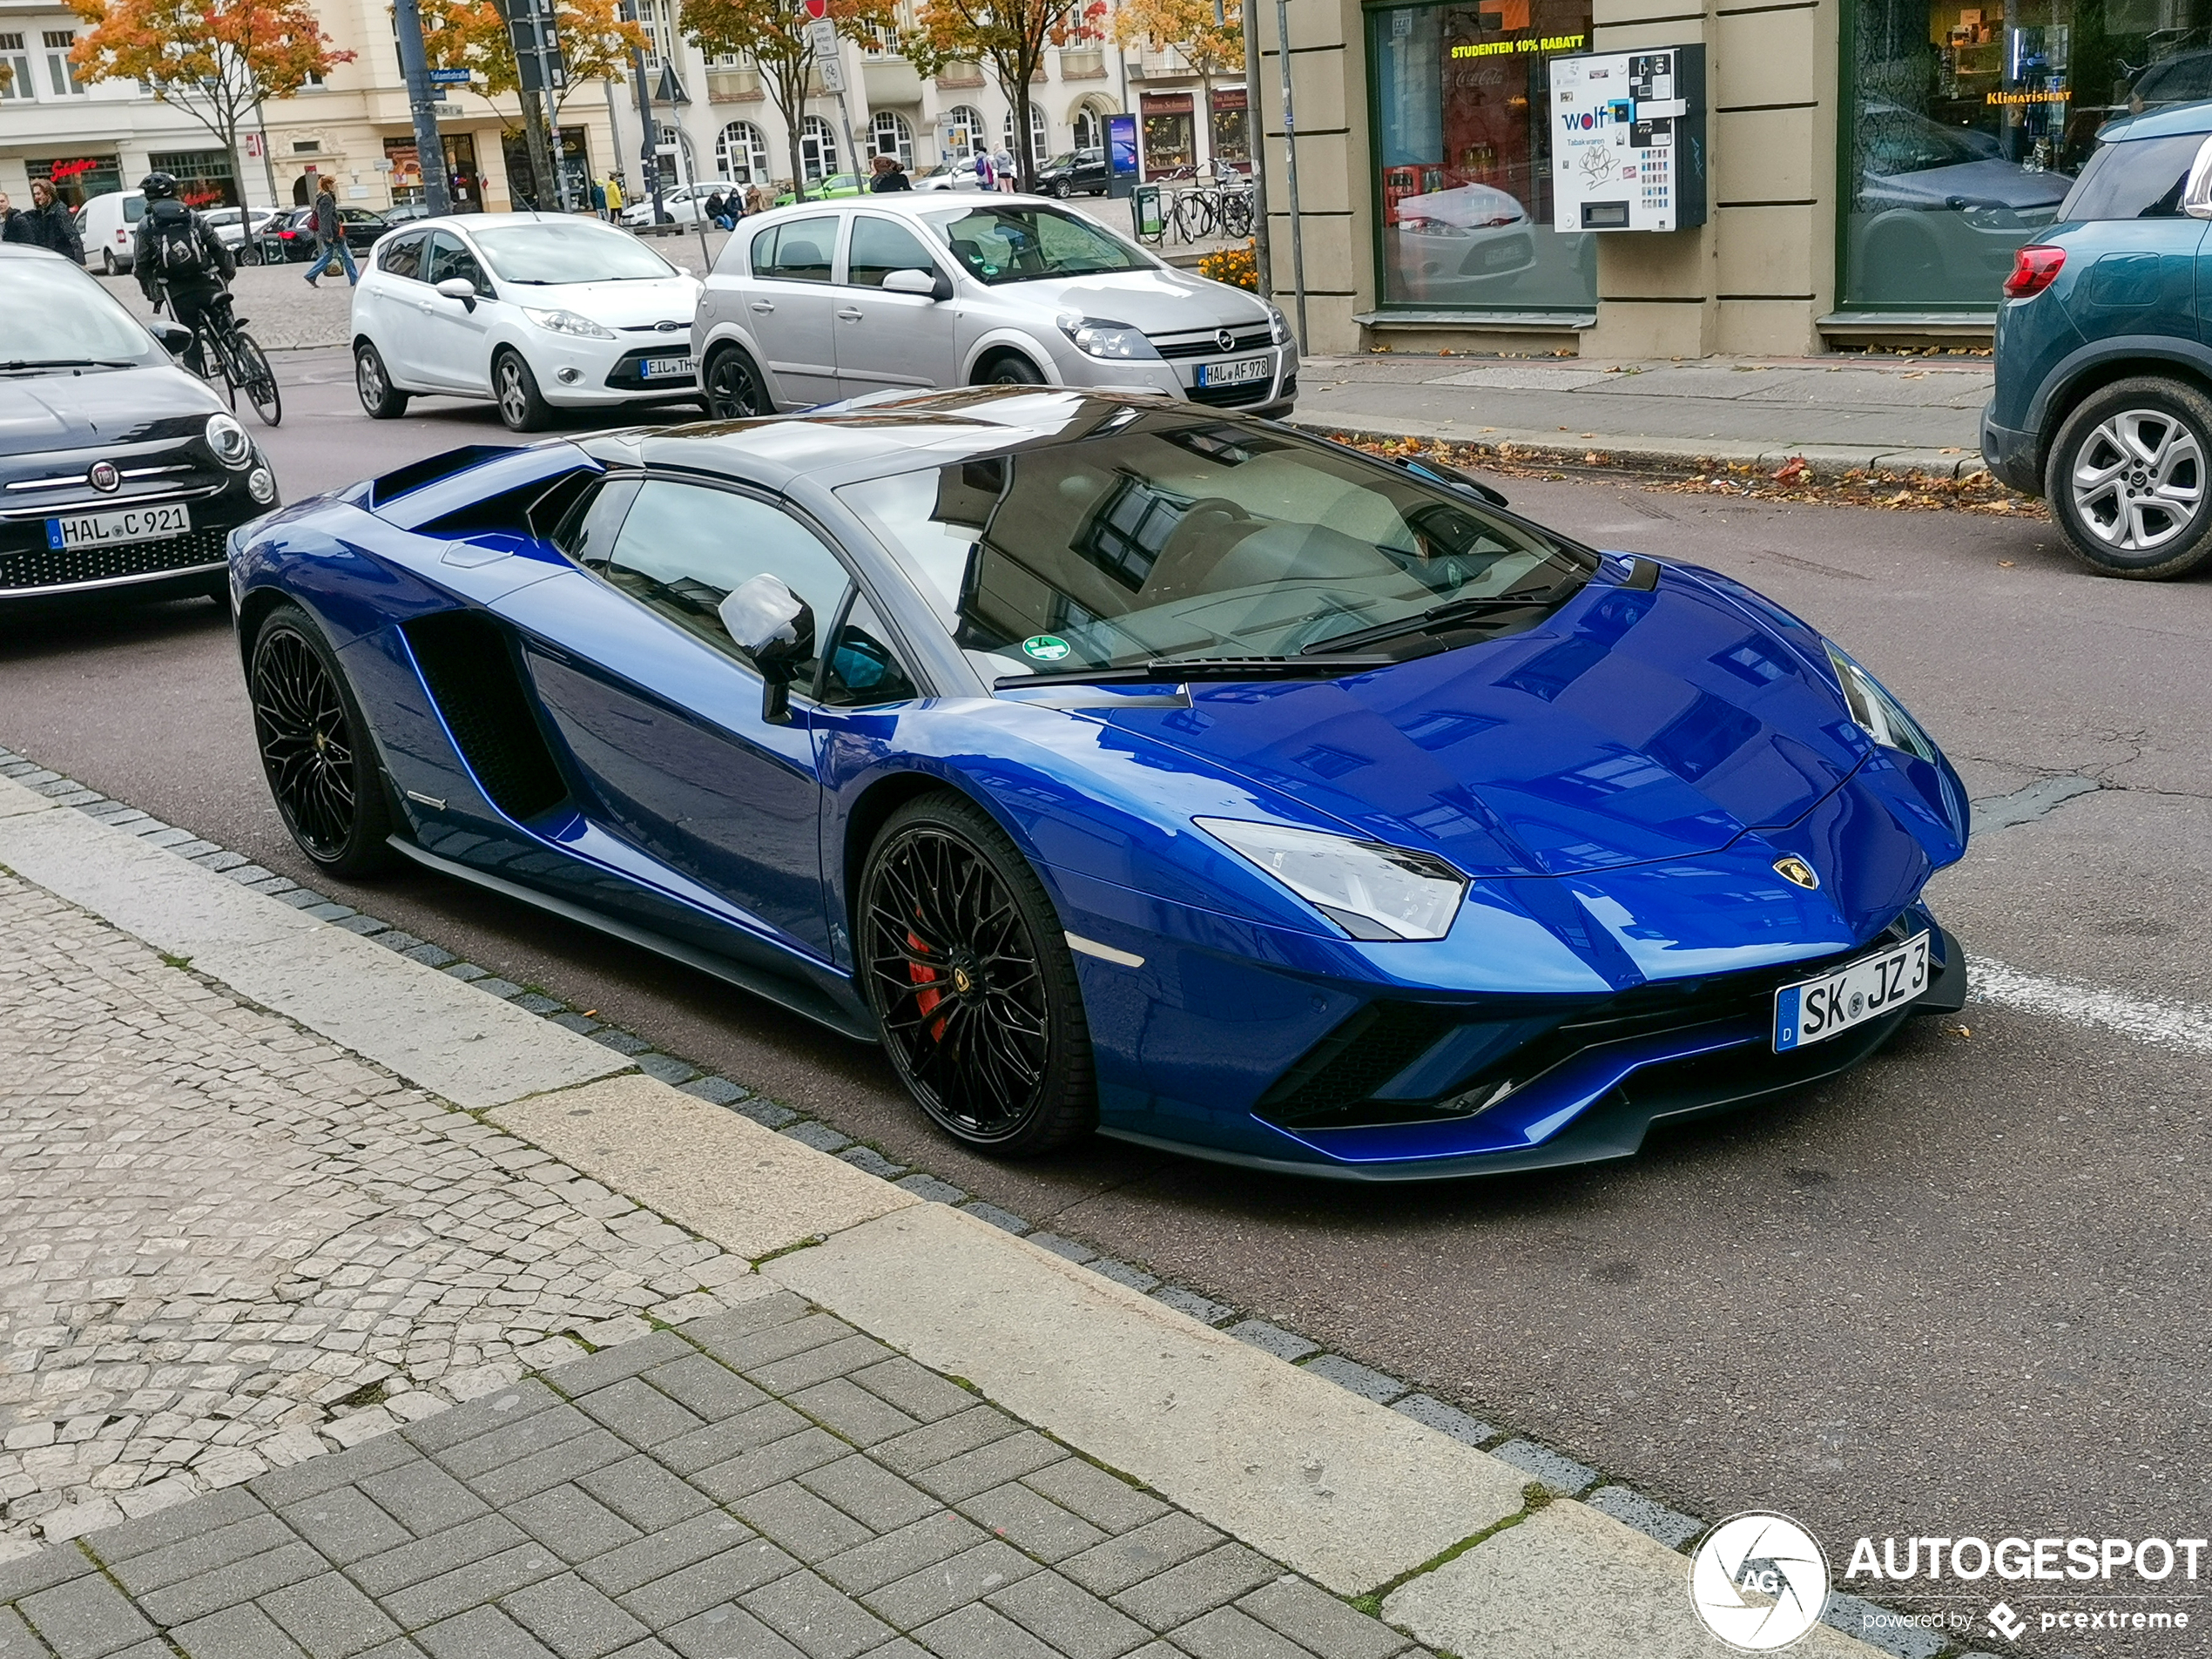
[(1104, 953), (2167, 1025)]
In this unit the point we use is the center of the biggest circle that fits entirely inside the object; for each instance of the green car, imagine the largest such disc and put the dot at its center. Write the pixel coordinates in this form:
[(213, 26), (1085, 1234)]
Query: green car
[(838, 184)]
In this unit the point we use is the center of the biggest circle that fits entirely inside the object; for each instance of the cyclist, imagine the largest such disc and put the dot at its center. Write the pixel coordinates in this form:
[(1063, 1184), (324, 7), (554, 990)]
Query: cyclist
[(177, 256)]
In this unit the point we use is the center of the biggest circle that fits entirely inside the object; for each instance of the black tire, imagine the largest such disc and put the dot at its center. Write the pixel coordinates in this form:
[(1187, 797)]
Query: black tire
[(316, 750), (373, 384), (1062, 189), (734, 388), (2127, 480), (968, 973), (522, 405), (257, 379), (1009, 368)]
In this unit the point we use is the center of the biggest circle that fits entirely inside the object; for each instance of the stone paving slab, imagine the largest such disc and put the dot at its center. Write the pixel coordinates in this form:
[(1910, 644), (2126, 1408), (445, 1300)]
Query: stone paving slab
[(416, 1537)]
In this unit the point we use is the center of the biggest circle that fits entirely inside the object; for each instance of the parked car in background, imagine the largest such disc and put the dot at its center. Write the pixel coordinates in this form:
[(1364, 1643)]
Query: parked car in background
[(907, 291), (948, 175), (107, 225), (535, 312), (2103, 401), (1939, 204), (1077, 170), (838, 184), (681, 204), (407, 212), (294, 234), (230, 226), (119, 472)]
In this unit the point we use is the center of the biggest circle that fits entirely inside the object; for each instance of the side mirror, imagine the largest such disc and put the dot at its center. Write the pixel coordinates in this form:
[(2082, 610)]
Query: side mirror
[(460, 288), (775, 627), (174, 336), (933, 285)]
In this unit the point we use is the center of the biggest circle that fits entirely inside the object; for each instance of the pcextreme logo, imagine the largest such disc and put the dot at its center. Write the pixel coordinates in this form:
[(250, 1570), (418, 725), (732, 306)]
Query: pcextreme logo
[(1758, 1582)]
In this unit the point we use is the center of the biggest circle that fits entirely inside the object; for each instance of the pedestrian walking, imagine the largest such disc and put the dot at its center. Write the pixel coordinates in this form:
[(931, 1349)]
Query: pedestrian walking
[(46, 223), (889, 176), (598, 199), (330, 238), (613, 188), (178, 258)]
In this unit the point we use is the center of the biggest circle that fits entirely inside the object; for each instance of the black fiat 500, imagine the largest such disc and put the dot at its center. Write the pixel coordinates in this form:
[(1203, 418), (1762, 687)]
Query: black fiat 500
[(117, 469)]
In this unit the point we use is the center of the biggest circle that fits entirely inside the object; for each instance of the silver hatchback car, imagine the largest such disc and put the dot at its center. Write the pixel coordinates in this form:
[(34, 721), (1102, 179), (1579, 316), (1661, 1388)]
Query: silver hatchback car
[(825, 301)]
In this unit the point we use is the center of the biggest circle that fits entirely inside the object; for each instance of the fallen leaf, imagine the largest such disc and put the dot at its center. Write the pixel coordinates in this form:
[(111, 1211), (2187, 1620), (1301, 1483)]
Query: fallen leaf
[(2004, 564)]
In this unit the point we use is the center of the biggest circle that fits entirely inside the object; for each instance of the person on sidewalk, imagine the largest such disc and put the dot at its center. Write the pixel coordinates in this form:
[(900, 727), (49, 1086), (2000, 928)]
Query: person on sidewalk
[(178, 258), (46, 223), (985, 179), (330, 240), (1003, 170), (614, 198), (889, 176), (598, 199)]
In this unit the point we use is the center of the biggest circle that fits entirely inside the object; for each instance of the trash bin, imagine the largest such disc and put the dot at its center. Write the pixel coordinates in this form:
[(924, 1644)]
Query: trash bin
[(1145, 214)]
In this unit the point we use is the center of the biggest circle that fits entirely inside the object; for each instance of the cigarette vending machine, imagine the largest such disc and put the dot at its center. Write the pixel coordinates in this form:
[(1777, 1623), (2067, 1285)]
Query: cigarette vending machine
[(1628, 140)]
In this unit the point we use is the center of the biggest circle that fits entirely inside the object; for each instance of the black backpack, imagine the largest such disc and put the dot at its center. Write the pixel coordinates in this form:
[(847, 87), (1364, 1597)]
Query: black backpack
[(175, 240)]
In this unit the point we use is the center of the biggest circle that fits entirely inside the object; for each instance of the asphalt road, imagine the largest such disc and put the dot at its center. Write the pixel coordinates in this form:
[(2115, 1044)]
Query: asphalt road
[(1961, 1291)]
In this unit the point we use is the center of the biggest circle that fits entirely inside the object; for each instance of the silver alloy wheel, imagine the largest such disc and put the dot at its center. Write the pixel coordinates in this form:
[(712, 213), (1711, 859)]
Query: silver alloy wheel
[(368, 380), (2138, 480), (514, 401)]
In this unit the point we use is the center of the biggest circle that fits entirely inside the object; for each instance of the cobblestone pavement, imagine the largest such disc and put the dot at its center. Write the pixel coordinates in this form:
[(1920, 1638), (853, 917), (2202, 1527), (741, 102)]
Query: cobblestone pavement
[(761, 1483), (226, 1244)]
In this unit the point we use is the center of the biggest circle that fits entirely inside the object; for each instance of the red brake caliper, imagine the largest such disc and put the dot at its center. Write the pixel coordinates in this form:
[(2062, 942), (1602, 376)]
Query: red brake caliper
[(929, 998)]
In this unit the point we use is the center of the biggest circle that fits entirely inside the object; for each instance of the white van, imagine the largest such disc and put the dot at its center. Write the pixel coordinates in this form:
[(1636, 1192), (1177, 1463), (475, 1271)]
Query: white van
[(109, 225)]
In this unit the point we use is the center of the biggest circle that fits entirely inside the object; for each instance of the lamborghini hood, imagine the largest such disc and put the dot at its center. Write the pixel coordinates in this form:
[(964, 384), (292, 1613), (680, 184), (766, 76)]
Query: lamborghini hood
[(1633, 726)]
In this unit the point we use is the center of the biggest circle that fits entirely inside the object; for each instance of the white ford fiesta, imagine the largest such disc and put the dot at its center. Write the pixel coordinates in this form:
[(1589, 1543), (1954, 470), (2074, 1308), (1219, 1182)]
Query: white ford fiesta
[(534, 312)]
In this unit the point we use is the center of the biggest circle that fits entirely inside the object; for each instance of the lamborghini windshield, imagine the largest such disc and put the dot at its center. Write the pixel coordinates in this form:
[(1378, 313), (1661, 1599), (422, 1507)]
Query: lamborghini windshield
[(1163, 535)]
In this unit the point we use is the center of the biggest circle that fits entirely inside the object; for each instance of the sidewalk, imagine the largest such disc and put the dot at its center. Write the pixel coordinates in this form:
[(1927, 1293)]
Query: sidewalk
[(350, 1310), (1900, 415)]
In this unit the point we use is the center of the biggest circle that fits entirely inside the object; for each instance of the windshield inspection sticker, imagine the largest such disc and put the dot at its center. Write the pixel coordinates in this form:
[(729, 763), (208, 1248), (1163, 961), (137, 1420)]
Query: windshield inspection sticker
[(1046, 648)]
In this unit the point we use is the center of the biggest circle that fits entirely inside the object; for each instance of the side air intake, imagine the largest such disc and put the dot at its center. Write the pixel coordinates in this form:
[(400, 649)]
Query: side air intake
[(469, 667)]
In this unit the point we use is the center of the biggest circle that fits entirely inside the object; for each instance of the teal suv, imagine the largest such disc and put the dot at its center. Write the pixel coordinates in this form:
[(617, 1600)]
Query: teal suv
[(2103, 403)]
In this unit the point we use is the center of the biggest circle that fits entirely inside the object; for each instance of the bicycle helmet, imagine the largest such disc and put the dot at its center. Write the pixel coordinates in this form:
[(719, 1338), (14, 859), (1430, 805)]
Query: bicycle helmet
[(159, 186)]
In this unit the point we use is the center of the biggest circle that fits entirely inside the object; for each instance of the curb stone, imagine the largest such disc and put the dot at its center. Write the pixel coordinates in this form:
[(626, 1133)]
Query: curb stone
[(1453, 1432)]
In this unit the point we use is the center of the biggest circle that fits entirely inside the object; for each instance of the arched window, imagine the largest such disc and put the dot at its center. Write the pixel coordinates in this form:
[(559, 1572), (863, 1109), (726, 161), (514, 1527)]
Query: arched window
[(889, 134), (1038, 152), (963, 128), (817, 148), (1091, 127), (741, 153)]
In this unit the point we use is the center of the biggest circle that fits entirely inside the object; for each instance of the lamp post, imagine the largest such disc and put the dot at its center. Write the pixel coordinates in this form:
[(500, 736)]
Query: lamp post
[(429, 149)]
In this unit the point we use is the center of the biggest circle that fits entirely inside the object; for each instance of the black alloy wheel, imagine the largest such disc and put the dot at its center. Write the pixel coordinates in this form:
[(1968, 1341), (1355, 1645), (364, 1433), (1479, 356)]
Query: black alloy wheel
[(971, 980), (733, 388), (321, 769)]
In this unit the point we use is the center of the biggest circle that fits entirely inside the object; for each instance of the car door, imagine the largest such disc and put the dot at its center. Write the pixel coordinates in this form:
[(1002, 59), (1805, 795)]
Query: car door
[(661, 710), (887, 341), (388, 304), (788, 305), (456, 352)]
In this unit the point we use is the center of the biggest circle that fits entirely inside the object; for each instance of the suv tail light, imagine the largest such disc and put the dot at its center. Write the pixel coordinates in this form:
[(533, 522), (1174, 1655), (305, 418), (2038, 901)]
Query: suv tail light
[(2034, 269)]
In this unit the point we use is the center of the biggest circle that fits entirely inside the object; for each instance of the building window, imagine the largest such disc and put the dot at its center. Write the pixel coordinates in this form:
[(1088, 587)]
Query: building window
[(1964, 126), (817, 149), (76, 179), (203, 178), (15, 70), (59, 69), (660, 30), (959, 130), (1169, 145), (890, 134), (1463, 191), (1230, 140), (741, 153), (1039, 152), (1091, 127)]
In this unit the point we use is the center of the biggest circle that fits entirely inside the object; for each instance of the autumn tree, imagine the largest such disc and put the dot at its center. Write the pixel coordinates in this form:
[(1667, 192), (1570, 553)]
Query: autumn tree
[(1209, 33), (773, 33), (213, 59), (1008, 36), (596, 45)]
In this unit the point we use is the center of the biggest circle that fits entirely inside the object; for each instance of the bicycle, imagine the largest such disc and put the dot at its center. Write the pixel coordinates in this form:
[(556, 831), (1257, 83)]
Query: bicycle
[(224, 347)]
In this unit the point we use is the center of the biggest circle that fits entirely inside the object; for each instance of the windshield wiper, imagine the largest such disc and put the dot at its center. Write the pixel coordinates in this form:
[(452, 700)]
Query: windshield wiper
[(1438, 616), (68, 362), (1177, 670)]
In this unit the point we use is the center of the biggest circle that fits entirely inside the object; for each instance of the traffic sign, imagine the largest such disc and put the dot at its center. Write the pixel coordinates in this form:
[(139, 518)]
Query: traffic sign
[(831, 68), (818, 11), (821, 37), (448, 78)]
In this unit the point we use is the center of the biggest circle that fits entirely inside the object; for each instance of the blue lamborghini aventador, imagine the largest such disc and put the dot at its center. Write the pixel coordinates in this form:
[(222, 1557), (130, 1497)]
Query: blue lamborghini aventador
[(1125, 766)]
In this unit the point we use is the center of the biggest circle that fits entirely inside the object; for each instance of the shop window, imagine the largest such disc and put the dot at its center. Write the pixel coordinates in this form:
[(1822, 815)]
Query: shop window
[(1231, 140), (1463, 146), (1170, 145), (76, 179), (1964, 126), (204, 177)]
